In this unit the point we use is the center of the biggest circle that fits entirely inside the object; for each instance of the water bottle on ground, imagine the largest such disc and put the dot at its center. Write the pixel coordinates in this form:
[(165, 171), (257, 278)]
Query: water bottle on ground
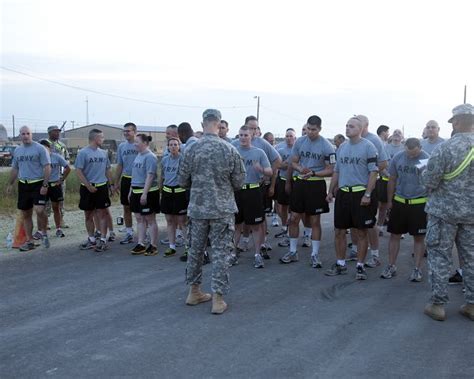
[(9, 240)]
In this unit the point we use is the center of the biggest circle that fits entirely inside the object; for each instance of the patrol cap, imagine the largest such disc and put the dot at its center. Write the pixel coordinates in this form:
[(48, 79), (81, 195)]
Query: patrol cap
[(462, 109), (212, 114), (53, 127)]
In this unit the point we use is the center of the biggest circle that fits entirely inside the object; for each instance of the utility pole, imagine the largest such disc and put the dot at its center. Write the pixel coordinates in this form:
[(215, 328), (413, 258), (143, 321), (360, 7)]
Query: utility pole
[(13, 123), (87, 110), (258, 106), (72, 123), (465, 93)]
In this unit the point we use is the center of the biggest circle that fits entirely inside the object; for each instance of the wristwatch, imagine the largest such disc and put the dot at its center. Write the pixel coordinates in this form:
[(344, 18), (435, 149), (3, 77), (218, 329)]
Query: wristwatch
[(45, 185), (367, 195)]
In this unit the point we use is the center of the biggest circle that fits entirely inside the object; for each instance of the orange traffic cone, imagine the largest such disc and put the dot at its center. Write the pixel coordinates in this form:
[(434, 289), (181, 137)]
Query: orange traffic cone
[(20, 236)]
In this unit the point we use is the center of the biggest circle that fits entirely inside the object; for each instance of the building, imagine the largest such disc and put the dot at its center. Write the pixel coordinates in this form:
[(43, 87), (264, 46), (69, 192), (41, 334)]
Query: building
[(78, 137)]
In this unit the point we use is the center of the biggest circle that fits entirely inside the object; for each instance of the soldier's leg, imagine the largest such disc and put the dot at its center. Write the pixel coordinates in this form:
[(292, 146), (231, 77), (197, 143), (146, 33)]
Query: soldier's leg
[(198, 231), (439, 241), (465, 246), (220, 235)]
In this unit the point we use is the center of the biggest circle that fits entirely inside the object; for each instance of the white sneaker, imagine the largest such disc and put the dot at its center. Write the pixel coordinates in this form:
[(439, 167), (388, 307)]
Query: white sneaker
[(306, 241), (275, 222)]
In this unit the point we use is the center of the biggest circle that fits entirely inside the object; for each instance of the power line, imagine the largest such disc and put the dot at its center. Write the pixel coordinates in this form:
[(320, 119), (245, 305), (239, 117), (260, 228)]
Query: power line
[(114, 95), (282, 114)]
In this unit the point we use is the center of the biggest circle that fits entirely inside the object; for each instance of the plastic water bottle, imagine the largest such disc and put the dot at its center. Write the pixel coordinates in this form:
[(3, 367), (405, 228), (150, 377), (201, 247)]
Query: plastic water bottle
[(9, 241)]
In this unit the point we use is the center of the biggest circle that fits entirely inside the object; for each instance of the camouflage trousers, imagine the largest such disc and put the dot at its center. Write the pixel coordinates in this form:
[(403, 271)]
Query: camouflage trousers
[(440, 238), (220, 233)]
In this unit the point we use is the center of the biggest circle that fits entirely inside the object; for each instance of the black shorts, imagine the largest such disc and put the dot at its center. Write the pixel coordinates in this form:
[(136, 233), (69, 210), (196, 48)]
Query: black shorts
[(407, 218), (98, 200), (281, 196), (124, 190), (348, 213), (249, 203), (174, 203), (152, 202), (381, 188), (309, 196), (29, 195), (267, 201), (55, 193)]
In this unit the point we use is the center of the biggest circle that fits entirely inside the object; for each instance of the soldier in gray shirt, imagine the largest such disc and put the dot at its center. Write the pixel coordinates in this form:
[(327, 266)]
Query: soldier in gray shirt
[(31, 164), (407, 207), (126, 154), (93, 170), (249, 199), (213, 170), (432, 137), (223, 130), (355, 175)]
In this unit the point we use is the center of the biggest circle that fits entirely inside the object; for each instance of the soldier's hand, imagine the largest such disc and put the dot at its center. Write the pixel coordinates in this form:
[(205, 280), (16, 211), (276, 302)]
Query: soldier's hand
[(389, 205), (365, 201), (91, 189), (271, 191), (329, 197), (143, 199), (305, 171), (257, 166), (44, 191)]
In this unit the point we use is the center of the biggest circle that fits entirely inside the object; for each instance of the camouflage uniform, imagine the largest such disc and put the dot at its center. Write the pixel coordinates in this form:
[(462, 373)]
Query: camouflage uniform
[(450, 215), (213, 170)]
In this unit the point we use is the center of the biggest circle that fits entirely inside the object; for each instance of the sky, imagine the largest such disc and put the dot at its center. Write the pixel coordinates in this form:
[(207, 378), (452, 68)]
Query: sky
[(401, 63)]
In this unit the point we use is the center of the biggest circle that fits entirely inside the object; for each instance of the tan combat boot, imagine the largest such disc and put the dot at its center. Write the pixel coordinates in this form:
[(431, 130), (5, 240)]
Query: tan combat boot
[(218, 304), (468, 311), (435, 311), (196, 296)]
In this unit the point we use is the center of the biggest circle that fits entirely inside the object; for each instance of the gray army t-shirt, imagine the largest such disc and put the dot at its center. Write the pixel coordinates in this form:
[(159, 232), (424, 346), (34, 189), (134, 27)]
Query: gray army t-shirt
[(428, 146), (285, 153), (126, 154), (30, 160), (314, 154), (145, 163), (250, 156), (408, 184), (169, 169), (94, 163), (57, 164)]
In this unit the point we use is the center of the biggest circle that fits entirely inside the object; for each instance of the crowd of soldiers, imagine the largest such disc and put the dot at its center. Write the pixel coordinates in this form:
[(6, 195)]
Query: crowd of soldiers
[(215, 193)]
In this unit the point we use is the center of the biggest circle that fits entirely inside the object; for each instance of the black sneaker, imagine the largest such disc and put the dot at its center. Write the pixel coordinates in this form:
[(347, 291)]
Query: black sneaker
[(456, 278), (281, 234), (336, 270), (138, 249), (151, 250), (184, 257), (264, 253), (361, 274)]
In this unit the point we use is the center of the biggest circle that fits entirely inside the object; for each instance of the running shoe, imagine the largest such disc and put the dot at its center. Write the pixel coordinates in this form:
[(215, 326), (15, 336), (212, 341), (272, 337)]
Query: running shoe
[(315, 262), (38, 235), (284, 243), (352, 256), (306, 241), (151, 250), (138, 249), (456, 278), (233, 260), (289, 257), (373, 262), (60, 233), (112, 236), (275, 222), (165, 241), (97, 234), (184, 257), (86, 245), (101, 246), (264, 252), (45, 241), (169, 252), (389, 272), (127, 239), (179, 241), (282, 234), (206, 259), (336, 270), (361, 274), (258, 261), (27, 246), (416, 275)]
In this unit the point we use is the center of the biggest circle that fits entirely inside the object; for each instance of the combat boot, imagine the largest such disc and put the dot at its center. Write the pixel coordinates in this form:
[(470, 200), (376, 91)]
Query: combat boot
[(218, 304), (196, 296), (435, 311), (468, 311)]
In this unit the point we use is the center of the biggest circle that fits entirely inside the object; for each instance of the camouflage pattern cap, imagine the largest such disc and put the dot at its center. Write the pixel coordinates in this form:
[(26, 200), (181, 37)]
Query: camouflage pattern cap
[(462, 109), (212, 113), (53, 127)]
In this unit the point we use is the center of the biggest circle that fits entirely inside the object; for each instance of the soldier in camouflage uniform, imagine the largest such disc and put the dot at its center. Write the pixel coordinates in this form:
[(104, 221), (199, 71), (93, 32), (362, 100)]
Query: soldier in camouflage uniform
[(450, 179), (212, 169)]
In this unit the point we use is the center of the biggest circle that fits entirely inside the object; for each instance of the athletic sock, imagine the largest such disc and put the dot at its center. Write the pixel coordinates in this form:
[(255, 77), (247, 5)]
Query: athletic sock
[(374, 253), (360, 264), (129, 230), (307, 232), (341, 262), (293, 244), (92, 239), (173, 246), (315, 247), (245, 239)]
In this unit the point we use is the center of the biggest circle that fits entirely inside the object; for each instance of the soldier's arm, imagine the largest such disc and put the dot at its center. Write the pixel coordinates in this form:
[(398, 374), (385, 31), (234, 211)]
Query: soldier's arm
[(237, 175), (391, 189), (433, 174), (382, 165), (184, 172), (118, 174), (13, 176), (46, 173)]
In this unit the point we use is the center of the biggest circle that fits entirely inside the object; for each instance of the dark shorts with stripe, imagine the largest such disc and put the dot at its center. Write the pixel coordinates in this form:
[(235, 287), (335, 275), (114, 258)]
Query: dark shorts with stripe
[(249, 203), (381, 187), (348, 213), (29, 195), (267, 201), (174, 203), (98, 200), (55, 193), (151, 206), (309, 196), (407, 218), (124, 190), (280, 194)]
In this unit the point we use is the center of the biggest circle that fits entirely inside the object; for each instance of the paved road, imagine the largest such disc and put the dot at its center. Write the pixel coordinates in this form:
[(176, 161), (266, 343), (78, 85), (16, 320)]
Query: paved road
[(71, 313)]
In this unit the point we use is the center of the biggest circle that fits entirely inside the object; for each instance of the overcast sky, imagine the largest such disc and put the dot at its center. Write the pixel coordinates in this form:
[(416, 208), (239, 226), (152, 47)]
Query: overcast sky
[(401, 63)]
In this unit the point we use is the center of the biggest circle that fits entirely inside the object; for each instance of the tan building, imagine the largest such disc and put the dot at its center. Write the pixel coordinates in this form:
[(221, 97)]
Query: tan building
[(78, 137)]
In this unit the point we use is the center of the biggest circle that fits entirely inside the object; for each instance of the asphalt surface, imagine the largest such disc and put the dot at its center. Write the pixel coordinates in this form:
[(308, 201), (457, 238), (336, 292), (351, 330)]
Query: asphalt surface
[(71, 313)]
